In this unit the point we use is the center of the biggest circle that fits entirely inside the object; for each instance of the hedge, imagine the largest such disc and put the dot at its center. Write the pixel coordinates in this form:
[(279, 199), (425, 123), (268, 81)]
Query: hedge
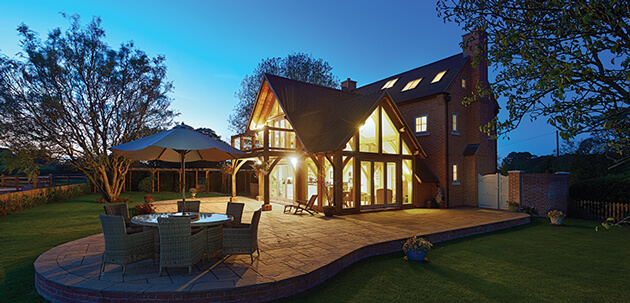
[(611, 188), (13, 202)]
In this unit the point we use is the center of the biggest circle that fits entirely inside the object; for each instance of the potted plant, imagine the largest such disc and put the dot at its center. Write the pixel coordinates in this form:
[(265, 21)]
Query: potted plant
[(556, 217), (416, 248), (513, 206), (146, 207), (193, 192)]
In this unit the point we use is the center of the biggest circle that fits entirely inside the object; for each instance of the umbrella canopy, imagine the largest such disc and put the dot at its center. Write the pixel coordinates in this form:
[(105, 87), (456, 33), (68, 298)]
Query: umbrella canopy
[(179, 144)]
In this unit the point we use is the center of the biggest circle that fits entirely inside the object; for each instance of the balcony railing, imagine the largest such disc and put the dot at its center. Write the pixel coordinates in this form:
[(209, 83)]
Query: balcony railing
[(265, 138)]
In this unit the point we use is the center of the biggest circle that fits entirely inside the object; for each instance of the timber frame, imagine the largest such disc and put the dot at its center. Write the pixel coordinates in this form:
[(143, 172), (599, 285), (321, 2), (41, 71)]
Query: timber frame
[(268, 145)]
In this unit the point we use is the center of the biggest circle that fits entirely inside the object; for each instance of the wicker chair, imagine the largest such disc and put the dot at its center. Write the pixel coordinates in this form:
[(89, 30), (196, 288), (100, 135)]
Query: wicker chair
[(235, 210), (242, 241), (121, 209), (178, 248), (191, 206), (122, 248)]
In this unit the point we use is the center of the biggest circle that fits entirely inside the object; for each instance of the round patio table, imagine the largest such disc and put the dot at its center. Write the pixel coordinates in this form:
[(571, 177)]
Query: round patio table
[(205, 219), (211, 222)]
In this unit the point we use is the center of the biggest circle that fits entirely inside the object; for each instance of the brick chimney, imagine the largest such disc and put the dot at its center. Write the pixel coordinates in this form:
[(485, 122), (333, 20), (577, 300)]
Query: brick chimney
[(348, 85), (477, 46)]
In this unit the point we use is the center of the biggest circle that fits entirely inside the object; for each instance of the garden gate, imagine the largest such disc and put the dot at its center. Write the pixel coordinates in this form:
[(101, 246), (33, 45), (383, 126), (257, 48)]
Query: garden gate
[(493, 194)]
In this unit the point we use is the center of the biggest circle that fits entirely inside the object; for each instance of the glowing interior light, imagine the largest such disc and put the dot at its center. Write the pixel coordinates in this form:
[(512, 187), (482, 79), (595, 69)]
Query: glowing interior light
[(389, 83), (438, 77), (294, 161)]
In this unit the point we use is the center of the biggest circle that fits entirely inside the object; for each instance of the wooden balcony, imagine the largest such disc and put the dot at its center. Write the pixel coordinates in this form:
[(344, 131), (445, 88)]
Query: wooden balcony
[(265, 139)]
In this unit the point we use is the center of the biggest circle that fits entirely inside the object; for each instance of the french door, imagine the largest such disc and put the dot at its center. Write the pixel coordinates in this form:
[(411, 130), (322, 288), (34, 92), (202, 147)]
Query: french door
[(378, 184)]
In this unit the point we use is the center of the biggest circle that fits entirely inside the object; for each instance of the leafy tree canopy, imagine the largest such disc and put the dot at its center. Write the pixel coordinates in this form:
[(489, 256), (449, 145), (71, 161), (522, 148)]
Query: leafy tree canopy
[(73, 97), (296, 66), (566, 60)]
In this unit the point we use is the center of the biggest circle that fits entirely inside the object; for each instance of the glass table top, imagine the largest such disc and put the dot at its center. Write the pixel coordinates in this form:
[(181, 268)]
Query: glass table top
[(205, 219)]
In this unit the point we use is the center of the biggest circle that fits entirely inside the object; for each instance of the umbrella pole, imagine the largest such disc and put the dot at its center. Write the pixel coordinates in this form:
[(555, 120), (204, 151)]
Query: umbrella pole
[(183, 155)]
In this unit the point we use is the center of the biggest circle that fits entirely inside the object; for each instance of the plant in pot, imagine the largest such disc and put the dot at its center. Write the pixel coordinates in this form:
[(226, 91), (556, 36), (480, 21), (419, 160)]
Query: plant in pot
[(193, 192), (556, 217), (147, 207), (329, 210), (513, 206), (416, 248)]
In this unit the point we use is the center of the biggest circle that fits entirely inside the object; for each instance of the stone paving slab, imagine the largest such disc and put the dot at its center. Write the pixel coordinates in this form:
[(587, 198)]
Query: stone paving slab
[(299, 249)]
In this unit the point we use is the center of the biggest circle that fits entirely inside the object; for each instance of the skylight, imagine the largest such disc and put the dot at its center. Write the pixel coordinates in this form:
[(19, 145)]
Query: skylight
[(438, 77), (389, 83), (411, 84)]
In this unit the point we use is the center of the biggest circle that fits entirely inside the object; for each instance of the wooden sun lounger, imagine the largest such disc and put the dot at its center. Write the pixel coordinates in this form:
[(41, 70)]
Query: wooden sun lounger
[(302, 206)]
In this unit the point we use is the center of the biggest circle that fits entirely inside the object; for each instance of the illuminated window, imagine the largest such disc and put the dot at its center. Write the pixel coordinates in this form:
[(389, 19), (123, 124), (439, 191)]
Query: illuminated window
[(412, 84), (390, 83), (421, 123), (463, 82), (455, 131), (455, 180), (438, 77)]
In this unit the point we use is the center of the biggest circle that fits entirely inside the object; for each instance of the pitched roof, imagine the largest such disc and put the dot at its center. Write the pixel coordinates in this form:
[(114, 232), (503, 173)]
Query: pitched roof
[(452, 65), (319, 115)]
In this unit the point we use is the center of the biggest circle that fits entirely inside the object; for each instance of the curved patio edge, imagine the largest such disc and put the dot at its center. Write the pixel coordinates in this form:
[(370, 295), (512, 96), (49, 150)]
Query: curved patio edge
[(67, 289)]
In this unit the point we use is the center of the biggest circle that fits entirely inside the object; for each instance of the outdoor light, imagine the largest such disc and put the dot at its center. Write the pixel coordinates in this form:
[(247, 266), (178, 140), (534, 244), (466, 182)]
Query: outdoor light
[(293, 161), (258, 161)]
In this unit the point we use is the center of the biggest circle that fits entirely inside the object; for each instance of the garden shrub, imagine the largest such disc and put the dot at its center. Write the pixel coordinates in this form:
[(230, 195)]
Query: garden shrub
[(611, 188), (13, 202), (146, 185)]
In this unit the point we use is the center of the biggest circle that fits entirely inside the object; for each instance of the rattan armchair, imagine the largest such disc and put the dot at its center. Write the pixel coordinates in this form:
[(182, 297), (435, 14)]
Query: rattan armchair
[(242, 240), (191, 206), (178, 248), (122, 248), (235, 210), (122, 209)]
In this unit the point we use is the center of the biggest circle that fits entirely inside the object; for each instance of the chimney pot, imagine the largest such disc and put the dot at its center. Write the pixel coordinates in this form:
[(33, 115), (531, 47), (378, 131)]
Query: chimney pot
[(348, 85)]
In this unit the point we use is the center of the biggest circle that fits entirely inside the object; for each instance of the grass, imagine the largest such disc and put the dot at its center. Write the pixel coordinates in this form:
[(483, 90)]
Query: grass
[(27, 234), (533, 263)]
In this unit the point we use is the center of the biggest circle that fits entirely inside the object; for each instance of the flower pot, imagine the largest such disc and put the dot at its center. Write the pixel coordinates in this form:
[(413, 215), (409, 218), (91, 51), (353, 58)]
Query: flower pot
[(416, 255), (556, 220), (513, 208), (329, 211)]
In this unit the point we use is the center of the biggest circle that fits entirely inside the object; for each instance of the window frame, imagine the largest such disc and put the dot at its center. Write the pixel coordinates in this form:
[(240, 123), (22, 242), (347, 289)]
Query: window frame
[(426, 124), (455, 174), (389, 84), (441, 76), (454, 124)]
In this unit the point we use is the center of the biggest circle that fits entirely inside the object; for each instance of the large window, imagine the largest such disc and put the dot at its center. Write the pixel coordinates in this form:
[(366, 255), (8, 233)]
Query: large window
[(422, 124), (348, 184), (368, 134), (407, 182), (391, 138)]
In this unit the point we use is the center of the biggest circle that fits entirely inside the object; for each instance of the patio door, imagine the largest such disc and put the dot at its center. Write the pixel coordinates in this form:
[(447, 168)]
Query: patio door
[(378, 184), (282, 181)]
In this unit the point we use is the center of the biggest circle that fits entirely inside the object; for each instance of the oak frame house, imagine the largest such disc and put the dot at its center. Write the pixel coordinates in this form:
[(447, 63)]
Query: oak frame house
[(391, 144)]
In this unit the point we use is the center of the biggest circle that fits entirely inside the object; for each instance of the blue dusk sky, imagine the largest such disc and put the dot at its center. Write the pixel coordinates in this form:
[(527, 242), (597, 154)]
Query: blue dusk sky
[(211, 45)]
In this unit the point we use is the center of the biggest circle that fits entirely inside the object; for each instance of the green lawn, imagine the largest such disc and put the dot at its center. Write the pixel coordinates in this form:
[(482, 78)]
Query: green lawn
[(536, 262), (533, 263), (27, 234)]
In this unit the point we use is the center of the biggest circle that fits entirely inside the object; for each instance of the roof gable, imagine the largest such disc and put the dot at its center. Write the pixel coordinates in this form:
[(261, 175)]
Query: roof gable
[(452, 65)]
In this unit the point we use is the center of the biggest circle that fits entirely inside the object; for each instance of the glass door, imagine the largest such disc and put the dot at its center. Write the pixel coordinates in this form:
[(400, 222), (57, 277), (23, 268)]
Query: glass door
[(378, 184)]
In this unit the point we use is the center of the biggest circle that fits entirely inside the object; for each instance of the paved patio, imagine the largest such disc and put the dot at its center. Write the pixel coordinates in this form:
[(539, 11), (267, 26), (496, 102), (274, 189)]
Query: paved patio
[(297, 252)]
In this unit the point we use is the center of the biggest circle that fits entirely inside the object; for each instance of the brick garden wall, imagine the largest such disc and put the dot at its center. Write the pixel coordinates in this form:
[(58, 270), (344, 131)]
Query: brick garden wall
[(546, 192)]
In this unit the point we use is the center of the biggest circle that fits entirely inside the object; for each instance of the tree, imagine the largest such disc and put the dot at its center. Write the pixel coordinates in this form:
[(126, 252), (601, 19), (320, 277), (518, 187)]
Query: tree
[(73, 97), (566, 60), (296, 66), (209, 132)]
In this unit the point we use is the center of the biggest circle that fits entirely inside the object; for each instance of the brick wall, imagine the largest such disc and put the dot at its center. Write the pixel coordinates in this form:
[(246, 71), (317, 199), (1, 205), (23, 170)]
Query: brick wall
[(546, 192)]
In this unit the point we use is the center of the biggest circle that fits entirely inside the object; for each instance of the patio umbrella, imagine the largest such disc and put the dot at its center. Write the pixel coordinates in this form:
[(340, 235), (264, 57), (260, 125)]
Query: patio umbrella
[(179, 144)]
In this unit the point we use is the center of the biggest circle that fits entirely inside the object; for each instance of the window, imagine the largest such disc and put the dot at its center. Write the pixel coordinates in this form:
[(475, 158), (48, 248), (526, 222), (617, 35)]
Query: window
[(421, 124), (463, 82), (390, 83), (455, 178), (411, 84), (438, 77), (455, 131)]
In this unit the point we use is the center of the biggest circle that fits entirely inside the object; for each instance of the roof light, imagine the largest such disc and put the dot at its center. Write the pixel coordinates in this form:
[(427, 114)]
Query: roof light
[(438, 77), (389, 83), (411, 84)]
